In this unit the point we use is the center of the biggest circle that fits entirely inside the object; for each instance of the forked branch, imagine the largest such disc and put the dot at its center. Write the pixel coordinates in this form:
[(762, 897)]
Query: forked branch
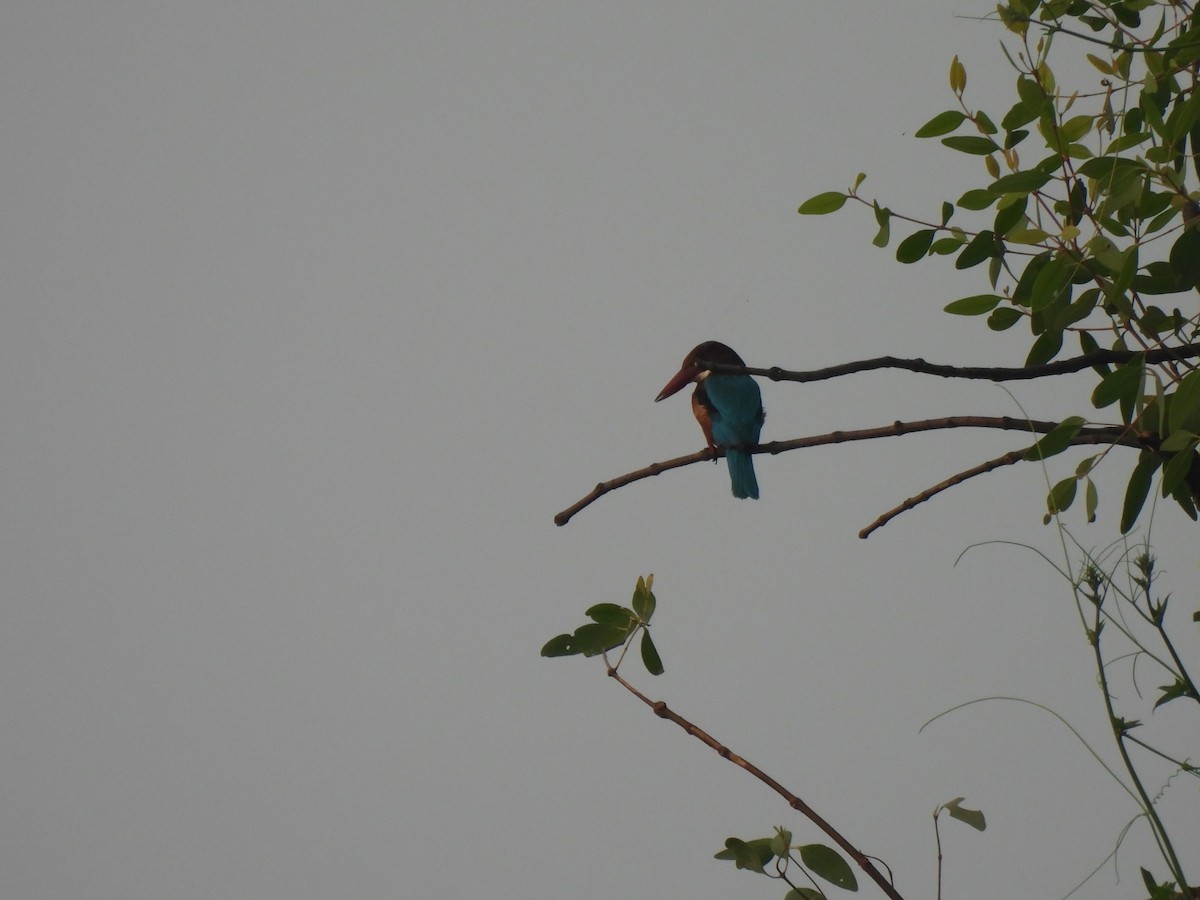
[(1089, 435)]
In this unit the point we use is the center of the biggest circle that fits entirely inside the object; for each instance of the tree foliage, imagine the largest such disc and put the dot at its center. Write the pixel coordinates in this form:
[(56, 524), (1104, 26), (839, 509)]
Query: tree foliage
[(1084, 226), (1084, 223)]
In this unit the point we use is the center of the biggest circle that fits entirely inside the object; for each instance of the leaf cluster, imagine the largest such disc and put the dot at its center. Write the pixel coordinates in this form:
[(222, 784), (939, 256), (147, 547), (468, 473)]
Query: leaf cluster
[(775, 856), (612, 626), (1085, 221)]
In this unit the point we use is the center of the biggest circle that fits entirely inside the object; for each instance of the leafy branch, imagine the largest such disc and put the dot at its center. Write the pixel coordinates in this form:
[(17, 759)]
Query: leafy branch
[(615, 626)]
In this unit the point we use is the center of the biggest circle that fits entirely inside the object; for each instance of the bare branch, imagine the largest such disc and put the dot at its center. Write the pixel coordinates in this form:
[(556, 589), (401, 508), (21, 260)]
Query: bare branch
[(1094, 435), (1007, 459), (664, 712), (984, 373)]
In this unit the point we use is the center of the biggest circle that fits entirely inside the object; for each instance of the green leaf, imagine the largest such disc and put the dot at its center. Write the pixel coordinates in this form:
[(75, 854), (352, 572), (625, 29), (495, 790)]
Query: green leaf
[(1019, 115), (982, 246), (803, 893), (1179, 440), (1019, 182), (827, 863), (1012, 138), (1053, 280), (781, 844), (1185, 405), (561, 645), (643, 598), (1125, 141), (976, 145), (1003, 318), (977, 199), (650, 658), (958, 76), (995, 267), (823, 204), (1116, 294), (1103, 168), (1185, 258), (592, 640), (752, 855), (1045, 348), (1173, 692), (1091, 500), (1183, 116), (1138, 489), (1076, 127), (942, 123), (1061, 496), (972, 817), (974, 306), (1123, 382), (947, 245), (611, 614), (915, 246), (1010, 213), (1027, 236), (883, 216), (1157, 891), (1031, 94), (1176, 470), (1057, 440)]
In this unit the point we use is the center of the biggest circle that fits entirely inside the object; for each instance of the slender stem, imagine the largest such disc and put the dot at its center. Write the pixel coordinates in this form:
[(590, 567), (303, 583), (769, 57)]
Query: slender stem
[(1157, 828), (664, 712), (937, 836)]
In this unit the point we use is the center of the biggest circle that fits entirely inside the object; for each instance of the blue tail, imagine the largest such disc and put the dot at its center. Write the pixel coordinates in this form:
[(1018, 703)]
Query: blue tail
[(741, 473)]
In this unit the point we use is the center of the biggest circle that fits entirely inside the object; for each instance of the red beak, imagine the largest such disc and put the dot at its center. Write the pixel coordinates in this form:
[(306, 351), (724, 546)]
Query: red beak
[(682, 379)]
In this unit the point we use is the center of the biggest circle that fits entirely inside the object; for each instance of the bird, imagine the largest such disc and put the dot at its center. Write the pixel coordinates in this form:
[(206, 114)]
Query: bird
[(728, 408)]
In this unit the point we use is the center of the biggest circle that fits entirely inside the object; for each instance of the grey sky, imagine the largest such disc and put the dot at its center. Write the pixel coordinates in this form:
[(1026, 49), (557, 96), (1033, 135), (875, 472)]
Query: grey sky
[(315, 314)]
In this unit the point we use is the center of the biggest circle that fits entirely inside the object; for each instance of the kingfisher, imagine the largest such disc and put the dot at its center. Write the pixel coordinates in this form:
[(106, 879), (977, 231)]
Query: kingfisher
[(728, 408)]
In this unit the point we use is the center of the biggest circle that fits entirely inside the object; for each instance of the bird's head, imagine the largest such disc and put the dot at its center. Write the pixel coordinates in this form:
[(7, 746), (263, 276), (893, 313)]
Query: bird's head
[(695, 366)]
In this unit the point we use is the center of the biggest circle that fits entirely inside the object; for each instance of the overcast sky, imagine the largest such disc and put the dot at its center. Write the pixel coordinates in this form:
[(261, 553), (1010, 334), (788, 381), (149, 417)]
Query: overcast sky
[(316, 313)]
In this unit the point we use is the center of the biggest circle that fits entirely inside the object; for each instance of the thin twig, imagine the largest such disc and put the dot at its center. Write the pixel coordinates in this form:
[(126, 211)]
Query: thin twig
[(1013, 456), (664, 712), (1006, 460)]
